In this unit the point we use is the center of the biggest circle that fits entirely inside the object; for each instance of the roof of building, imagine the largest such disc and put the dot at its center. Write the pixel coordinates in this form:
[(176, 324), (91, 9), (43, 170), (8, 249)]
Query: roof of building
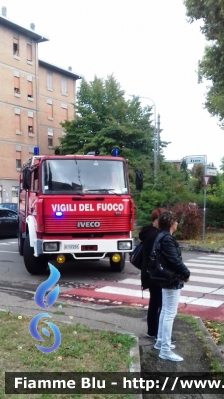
[(59, 69), (21, 29)]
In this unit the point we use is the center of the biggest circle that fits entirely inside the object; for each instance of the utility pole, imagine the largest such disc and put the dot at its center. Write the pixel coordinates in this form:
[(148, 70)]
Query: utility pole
[(158, 140)]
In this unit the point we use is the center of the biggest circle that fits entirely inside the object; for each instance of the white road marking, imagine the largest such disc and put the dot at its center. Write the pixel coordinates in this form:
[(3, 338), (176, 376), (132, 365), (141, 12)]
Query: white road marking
[(211, 271), (138, 294), (216, 262), (10, 252), (192, 266), (216, 256)]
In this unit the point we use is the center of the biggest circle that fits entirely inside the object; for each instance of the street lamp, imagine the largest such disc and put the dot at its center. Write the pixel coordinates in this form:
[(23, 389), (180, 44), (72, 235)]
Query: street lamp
[(154, 133)]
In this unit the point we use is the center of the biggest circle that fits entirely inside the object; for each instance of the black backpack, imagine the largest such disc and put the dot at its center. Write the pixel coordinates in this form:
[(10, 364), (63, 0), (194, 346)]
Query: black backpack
[(136, 257)]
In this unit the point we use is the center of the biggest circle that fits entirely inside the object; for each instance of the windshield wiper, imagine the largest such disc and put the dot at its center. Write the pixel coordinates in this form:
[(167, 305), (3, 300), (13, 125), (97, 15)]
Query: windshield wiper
[(105, 189)]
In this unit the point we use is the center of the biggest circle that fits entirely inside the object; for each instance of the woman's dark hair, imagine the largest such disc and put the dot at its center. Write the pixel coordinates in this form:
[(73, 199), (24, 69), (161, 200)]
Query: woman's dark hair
[(156, 213), (166, 220)]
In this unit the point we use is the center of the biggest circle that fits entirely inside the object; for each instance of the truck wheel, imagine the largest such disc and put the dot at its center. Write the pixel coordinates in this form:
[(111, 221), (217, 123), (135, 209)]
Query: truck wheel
[(33, 264), (117, 266), (21, 241)]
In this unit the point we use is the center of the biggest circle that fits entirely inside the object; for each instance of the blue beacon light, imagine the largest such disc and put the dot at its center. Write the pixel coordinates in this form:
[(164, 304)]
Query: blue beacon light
[(114, 152), (35, 150), (58, 214)]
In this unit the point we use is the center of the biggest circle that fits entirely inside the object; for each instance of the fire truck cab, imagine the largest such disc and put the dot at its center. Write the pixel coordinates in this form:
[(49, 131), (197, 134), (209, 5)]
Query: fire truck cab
[(74, 207)]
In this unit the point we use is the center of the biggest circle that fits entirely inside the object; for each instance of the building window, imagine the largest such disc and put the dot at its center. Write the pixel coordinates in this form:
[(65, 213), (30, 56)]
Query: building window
[(30, 124), (50, 142), (29, 87), (50, 109), (18, 163), (64, 112), (49, 81), (17, 120), (14, 193), (29, 50), (16, 85), (63, 85), (16, 46)]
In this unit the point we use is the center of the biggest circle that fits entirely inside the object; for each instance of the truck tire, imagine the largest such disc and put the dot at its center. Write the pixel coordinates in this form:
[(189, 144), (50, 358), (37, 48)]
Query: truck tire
[(21, 241), (118, 266), (33, 264)]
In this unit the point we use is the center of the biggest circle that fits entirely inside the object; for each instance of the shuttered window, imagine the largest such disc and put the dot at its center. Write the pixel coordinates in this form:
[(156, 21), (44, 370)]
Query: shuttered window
[(64, 85), (30, 125), (29, 89), (64, 114), (50, 141), (29, 51), (16, 85), (50, 111), (15, 46), (18, 163), (17, 123), (49, 80)]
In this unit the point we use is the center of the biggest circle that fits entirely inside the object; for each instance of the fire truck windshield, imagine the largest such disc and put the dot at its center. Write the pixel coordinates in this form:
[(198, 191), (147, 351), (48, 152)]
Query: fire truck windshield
[(83, 176)]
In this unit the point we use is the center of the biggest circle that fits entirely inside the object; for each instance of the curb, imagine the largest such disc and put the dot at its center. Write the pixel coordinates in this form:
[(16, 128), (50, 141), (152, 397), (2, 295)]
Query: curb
[(209, 341)]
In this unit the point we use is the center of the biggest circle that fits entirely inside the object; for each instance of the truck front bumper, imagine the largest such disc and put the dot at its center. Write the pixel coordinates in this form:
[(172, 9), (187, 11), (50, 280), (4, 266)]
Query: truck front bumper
[(98, 248)]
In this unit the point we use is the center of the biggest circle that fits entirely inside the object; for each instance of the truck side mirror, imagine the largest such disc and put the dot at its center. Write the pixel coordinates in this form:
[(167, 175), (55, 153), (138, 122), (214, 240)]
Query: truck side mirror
[(138, 179), (27, 179)]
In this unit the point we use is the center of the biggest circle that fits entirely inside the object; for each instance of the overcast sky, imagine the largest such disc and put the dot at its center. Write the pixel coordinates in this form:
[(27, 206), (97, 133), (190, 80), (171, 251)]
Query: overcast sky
[(149, 47)]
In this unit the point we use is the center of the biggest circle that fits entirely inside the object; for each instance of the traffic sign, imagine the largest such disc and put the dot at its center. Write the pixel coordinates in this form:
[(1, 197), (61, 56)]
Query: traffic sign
[(206, 179), (211, 171), (195, 159)]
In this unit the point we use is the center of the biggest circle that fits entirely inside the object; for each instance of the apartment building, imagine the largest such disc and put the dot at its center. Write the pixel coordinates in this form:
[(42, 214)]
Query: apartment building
[(35, 97)]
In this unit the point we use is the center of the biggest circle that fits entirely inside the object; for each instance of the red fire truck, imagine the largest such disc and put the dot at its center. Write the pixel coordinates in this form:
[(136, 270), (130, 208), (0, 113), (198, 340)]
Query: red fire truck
[(74, 207)]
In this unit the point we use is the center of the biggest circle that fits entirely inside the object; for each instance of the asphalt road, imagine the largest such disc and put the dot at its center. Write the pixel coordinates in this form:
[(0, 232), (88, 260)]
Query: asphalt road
[(14, 275)]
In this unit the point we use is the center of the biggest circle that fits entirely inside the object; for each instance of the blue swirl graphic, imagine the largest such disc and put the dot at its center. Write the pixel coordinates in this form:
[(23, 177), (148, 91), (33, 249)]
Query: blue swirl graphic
[(50, 299), (36, 335), (45, 286)]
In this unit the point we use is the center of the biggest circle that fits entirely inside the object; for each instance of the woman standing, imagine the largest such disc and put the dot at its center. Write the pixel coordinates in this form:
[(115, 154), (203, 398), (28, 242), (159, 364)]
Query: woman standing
[(172, 260), (147, 235)]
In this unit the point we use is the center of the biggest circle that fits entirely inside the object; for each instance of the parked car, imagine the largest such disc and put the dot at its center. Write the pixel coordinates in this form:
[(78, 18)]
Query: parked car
[(8, 223), (9, 205)]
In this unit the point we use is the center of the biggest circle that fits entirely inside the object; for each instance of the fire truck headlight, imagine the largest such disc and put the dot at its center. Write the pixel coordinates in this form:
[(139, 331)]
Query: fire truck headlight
[(51, 246), (124, 245)]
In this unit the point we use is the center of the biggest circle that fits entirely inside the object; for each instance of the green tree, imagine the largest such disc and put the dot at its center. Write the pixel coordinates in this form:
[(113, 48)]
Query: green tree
[(105, 120), (222, 165), (211, 67)]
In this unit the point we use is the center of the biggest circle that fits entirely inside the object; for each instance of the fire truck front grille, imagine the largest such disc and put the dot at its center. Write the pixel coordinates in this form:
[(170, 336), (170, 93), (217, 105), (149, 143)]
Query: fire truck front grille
[(68, 224)]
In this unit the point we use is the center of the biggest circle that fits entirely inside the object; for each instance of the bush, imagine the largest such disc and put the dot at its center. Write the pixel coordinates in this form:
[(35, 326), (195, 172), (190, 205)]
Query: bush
[(190, 219)]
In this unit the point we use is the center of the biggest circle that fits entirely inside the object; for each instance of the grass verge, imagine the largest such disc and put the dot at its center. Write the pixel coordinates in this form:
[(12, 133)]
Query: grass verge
[(213, 240), (82, 350)]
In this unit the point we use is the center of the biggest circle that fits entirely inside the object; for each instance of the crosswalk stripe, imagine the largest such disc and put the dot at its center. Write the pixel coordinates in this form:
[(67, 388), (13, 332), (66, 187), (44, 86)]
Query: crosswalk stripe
[(217, 262), (212, 303), (212, 257), (216, 256), (211, 271), (138, 294), (187, 287), (201, 267), (210, 280)]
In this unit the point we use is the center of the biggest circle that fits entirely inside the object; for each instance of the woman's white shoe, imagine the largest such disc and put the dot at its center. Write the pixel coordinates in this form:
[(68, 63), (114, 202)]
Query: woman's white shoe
[(169, 355)]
